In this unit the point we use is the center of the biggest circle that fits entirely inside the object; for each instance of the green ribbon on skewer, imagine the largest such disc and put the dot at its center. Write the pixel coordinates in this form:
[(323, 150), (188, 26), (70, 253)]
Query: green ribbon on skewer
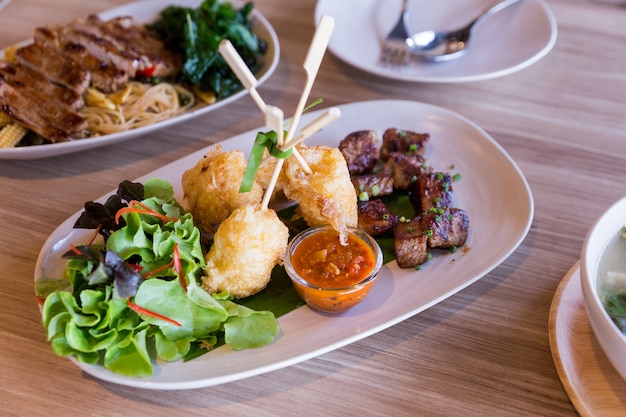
[(269, 141)]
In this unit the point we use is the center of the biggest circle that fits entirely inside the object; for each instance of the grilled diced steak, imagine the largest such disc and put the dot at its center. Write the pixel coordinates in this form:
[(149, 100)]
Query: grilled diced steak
[(431, 192), (361, 151), (410, 243), (437, 223), (446, 229), (23, 111), (405, 169), (56, 68), (373, 185), (149, 51), (104, 76), (375, 217), (405, 141), (21, 76)]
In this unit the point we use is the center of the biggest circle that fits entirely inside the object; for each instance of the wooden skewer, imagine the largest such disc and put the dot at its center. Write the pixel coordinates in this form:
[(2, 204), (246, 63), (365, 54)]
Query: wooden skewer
[(274, 120), (273, 115), (311, 66), (241, 70), (315, 126)]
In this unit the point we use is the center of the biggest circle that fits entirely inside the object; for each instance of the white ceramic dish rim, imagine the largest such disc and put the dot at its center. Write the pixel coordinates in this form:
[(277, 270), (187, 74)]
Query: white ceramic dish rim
[(453, 71), (609, 335), (146, 11), (498, 227)]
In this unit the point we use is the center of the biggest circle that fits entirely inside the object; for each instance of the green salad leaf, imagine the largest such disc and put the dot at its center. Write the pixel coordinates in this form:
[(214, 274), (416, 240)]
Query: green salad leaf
[(133, 298), (87, 316)]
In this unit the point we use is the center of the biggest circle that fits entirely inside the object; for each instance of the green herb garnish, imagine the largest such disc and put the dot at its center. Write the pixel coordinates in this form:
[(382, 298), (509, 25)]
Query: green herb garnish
[(263, 141)]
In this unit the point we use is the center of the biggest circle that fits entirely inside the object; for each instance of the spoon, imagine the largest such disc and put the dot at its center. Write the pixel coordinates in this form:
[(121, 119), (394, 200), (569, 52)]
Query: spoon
[(443, 46)]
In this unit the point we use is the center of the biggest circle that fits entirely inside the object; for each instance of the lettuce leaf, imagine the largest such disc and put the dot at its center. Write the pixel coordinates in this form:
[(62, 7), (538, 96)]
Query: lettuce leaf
[(88, 313)]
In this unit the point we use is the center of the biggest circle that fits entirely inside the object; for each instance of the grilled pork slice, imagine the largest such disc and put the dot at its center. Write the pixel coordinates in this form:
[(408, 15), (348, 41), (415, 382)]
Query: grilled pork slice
[(375, 217), (405, 141), (361, 151), (99, 46), (56, 68), (447, 229), (25, 112), (31, 80), (410, 243), (104, 76), (373, 185), (50, 99), (432, 192), (405, 169), (153, 57)]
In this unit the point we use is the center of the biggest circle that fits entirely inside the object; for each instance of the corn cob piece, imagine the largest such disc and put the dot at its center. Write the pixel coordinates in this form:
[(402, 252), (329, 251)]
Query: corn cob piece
[(11, 134), (97, 98), (5, 119), (9, 53)]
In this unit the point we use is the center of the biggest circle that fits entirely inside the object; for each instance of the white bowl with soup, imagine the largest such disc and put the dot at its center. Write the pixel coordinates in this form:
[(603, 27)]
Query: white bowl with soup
[(603, 278)]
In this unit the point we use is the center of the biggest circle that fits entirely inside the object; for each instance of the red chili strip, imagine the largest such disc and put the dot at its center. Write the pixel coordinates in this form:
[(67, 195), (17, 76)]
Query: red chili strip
[(75, 249), (157, 270), (140, 310), (148, 72), (95, 235), (179, 268), (144, 210)]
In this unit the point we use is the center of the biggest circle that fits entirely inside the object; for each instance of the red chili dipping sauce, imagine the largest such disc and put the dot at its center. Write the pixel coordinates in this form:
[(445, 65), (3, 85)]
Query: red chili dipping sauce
[(323, 261), (329, 276)]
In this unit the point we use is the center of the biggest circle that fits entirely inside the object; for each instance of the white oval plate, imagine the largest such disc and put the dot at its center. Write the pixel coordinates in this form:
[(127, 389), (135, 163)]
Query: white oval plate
[(144, 12), (502, 44), (492, 190)]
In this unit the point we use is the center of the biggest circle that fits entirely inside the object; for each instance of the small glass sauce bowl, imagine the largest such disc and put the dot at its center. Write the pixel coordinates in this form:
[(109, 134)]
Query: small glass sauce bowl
[(328, 276)]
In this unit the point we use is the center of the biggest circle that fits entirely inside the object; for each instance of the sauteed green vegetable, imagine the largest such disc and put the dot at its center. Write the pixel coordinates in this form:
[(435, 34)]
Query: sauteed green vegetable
[(198, 33)]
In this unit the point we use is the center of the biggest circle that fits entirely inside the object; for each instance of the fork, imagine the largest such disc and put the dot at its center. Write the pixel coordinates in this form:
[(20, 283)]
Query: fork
[(395, 50)]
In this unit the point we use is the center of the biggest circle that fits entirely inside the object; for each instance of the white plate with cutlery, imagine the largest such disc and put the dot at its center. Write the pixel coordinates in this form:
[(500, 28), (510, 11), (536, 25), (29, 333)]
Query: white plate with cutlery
[(501, 44)]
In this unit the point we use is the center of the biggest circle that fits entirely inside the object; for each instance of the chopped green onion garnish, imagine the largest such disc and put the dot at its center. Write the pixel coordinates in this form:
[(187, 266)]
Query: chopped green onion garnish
[(263, 141)]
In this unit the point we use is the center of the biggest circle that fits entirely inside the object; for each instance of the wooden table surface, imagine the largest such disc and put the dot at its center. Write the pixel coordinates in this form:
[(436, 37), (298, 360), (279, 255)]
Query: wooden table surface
[(482, 352)]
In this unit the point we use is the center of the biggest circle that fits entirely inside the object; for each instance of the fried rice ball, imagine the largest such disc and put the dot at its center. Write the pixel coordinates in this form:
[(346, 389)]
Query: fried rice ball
[(246, 247), (211, 188), (326, 196)]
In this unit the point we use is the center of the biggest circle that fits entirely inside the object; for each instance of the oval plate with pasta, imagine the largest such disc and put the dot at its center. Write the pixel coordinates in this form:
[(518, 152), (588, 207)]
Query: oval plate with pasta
[(144, 12)]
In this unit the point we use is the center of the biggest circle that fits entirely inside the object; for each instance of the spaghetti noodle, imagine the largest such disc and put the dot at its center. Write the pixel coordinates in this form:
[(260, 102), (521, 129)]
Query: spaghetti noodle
[(142, 105)]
